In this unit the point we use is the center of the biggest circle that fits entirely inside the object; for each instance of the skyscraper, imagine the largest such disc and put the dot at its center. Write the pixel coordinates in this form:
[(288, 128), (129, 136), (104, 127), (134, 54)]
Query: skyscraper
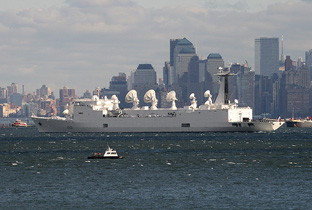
[(119, 84), (166, 73), (246, 86), (44, 91), (308, 58), (183, 60), (214, 61), (181, 50), (144, 79), (266, 56), (144, 74)]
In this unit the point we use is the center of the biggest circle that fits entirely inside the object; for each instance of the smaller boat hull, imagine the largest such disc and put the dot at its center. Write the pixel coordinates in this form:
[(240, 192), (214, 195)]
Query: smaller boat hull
[(299, 123), (102, 157), (18, 124)]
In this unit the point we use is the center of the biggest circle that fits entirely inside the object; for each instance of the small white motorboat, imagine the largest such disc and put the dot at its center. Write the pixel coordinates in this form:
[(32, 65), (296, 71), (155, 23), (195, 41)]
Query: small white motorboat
[(109, 154)]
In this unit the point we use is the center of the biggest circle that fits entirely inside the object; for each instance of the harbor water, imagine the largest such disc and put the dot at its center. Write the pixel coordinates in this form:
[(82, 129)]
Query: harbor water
[(160, 171)]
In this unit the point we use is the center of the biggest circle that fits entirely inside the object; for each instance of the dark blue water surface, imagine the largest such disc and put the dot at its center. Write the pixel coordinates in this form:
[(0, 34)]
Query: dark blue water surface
[(169, 171)]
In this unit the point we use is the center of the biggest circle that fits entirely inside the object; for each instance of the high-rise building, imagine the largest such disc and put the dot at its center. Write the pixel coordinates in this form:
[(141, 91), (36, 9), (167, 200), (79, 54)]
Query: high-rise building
[(29, 109), (181, 50), (119, 85), (63, 93), (12, 89), (263, 96), (308, 58), (288, 64), (3, 93), (145, 73), (72, 93), (44, 91), (246, 86), (166, 73), (214, 61), (66, 97), (173, 44), (144, 79), (183, 60), (16, 99), (266, 56)]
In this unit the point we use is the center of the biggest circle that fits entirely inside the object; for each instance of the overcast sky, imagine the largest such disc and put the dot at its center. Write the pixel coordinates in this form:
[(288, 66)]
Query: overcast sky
[(83, 43)]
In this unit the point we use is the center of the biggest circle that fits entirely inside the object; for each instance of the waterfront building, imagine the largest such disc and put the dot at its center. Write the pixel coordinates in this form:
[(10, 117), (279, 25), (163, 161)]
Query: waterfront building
[(298, 91), (7, 109), (29, 109)]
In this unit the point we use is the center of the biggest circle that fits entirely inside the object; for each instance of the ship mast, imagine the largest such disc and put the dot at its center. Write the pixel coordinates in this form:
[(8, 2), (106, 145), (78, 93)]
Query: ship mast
[(223, 96)]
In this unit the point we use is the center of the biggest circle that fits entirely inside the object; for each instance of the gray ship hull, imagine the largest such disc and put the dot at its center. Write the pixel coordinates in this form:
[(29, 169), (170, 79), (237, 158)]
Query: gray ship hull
[(213, 121)]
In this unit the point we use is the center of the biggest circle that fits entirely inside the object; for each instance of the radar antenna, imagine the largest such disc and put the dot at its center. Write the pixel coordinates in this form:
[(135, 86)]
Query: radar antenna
[(193, 101), (171, 97), (208, 95), (150, 97), (235, 102), (115, 102), (132, 97)]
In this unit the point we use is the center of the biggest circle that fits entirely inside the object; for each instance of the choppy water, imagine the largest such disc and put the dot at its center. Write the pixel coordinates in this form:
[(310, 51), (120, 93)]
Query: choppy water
[(169, 171)]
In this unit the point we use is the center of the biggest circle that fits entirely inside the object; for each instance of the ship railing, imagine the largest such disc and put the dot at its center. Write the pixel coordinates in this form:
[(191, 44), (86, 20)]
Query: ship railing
[(52, 117)]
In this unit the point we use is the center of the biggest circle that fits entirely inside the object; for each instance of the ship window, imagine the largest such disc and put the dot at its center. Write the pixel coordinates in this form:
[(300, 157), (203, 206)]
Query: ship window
[(80, 112), (251, 125), (105, 125), (185, 125), (172, 114)]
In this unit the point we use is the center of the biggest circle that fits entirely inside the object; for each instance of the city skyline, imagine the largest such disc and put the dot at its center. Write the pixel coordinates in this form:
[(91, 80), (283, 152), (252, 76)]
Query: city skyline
[(88, 42)]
